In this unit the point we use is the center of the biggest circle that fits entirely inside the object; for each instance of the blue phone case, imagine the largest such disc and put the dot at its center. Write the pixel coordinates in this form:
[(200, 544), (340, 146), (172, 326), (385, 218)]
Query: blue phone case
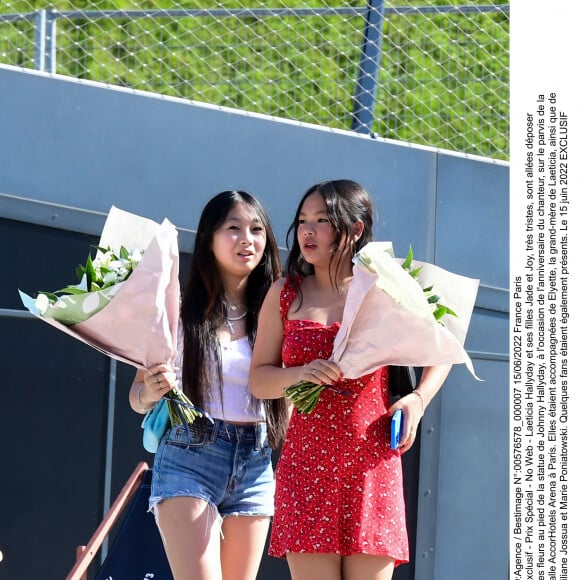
[(396, 428)]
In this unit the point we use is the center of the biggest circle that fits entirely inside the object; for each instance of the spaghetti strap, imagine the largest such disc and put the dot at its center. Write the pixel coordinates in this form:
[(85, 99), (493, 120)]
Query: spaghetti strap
[(287, 296)]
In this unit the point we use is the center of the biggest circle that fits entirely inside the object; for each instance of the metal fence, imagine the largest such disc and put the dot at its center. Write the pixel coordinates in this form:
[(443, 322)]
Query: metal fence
[(434, 72)]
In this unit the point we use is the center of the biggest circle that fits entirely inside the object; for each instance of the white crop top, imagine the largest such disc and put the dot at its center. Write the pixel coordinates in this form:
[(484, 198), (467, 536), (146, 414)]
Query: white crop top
[(238, 403)]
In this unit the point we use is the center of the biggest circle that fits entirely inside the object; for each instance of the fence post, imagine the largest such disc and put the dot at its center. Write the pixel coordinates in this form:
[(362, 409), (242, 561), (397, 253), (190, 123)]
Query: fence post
[(39, 39), (50, 49), (45, 40), (366, 86)]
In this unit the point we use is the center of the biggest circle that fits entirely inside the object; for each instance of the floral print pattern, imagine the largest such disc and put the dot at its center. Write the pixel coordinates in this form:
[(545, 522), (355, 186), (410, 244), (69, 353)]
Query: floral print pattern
[(339, 486)]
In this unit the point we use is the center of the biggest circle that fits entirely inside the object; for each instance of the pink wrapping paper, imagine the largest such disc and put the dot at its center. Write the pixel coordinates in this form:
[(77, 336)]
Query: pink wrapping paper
[(378, 330), (139, 325)]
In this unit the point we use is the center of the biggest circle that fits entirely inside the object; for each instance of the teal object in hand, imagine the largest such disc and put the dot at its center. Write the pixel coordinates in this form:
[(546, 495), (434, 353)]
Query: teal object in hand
[(154, 425)]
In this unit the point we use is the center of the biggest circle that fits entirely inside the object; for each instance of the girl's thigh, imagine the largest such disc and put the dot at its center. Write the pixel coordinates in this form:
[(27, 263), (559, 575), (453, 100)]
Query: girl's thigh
[(242, 546), (334, 567), (190, 529), (314, 566), (366, 566)]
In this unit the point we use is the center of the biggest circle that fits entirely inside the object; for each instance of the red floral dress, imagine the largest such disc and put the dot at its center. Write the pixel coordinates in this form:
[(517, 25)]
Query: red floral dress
[(339, 486)]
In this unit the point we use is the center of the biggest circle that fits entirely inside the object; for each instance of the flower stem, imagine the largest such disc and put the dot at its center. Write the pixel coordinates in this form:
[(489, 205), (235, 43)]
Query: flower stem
[(181, 409), (304, 395)]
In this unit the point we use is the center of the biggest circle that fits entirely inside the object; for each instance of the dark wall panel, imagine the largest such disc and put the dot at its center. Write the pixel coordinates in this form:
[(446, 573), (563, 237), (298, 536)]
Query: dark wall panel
[(53, 396)]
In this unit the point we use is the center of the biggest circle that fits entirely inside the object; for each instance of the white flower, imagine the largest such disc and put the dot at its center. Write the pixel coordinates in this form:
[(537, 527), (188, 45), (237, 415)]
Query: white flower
[(42, 303), (98, 280), (135, 257), (110, 278), (103, 260)]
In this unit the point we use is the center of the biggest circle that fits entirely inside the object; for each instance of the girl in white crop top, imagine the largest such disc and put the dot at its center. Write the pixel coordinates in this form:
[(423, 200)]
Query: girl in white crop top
[(237, 405), (213, 469)]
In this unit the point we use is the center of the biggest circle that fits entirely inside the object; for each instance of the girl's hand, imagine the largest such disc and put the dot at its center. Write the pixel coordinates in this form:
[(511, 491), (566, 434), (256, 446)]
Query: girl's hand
[(412, 407), (156, 382), (160, 378), (321, 372)]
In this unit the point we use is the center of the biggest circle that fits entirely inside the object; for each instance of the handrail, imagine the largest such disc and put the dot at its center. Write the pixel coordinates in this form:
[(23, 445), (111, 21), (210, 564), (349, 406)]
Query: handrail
[(467, 8), (85, 554)]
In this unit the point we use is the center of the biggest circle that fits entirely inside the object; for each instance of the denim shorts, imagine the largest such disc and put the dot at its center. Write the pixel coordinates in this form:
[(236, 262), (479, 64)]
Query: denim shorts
[(228, 466)]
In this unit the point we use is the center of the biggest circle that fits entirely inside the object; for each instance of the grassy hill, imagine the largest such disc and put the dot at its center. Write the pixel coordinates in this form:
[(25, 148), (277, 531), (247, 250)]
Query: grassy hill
[(443, 79)]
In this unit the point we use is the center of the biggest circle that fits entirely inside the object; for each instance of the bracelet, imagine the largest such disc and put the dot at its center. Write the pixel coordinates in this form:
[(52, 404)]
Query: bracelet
[(143, 408), (421, 399)]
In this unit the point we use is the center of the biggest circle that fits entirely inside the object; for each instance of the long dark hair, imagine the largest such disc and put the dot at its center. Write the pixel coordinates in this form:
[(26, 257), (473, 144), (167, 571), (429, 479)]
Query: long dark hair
[(347, 202), (203, 309)]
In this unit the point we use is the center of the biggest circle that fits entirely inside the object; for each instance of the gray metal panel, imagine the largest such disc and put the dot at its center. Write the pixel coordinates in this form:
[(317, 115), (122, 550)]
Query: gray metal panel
[(463, 499), (71, 149), (463, 490), (164, 157), (473, 219), (473, 508), (74, 219)]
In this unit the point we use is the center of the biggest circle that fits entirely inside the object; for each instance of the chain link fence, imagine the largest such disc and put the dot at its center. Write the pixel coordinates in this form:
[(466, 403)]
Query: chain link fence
[(431, 72)]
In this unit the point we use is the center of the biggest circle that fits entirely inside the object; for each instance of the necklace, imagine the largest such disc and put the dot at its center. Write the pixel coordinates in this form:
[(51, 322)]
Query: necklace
[(229, 322), (230, 305)]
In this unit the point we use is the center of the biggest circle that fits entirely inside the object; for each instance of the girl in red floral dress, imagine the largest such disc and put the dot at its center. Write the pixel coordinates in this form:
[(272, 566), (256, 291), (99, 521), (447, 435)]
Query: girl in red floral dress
[(339, 506)]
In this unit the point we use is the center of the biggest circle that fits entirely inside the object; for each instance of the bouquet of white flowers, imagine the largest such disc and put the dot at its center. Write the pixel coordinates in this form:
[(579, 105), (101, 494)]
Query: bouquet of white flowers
[(394, 315), (99, 281), (126, 304)]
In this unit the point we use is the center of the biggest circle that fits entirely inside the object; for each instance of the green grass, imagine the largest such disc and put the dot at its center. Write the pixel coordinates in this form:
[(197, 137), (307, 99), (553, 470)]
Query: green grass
[(443, 80)]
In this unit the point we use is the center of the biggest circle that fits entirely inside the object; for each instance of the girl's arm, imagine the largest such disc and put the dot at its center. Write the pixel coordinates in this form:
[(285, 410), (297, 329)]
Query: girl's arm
[(268, 378), (414, 404)]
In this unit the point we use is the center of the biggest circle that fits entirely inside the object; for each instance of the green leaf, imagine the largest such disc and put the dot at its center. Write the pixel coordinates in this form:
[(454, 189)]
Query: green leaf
[(71, 290), (440, 309), (450, 312), (123, 253), (50, 295), (408, 260), (90, 272), (440, 312)]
